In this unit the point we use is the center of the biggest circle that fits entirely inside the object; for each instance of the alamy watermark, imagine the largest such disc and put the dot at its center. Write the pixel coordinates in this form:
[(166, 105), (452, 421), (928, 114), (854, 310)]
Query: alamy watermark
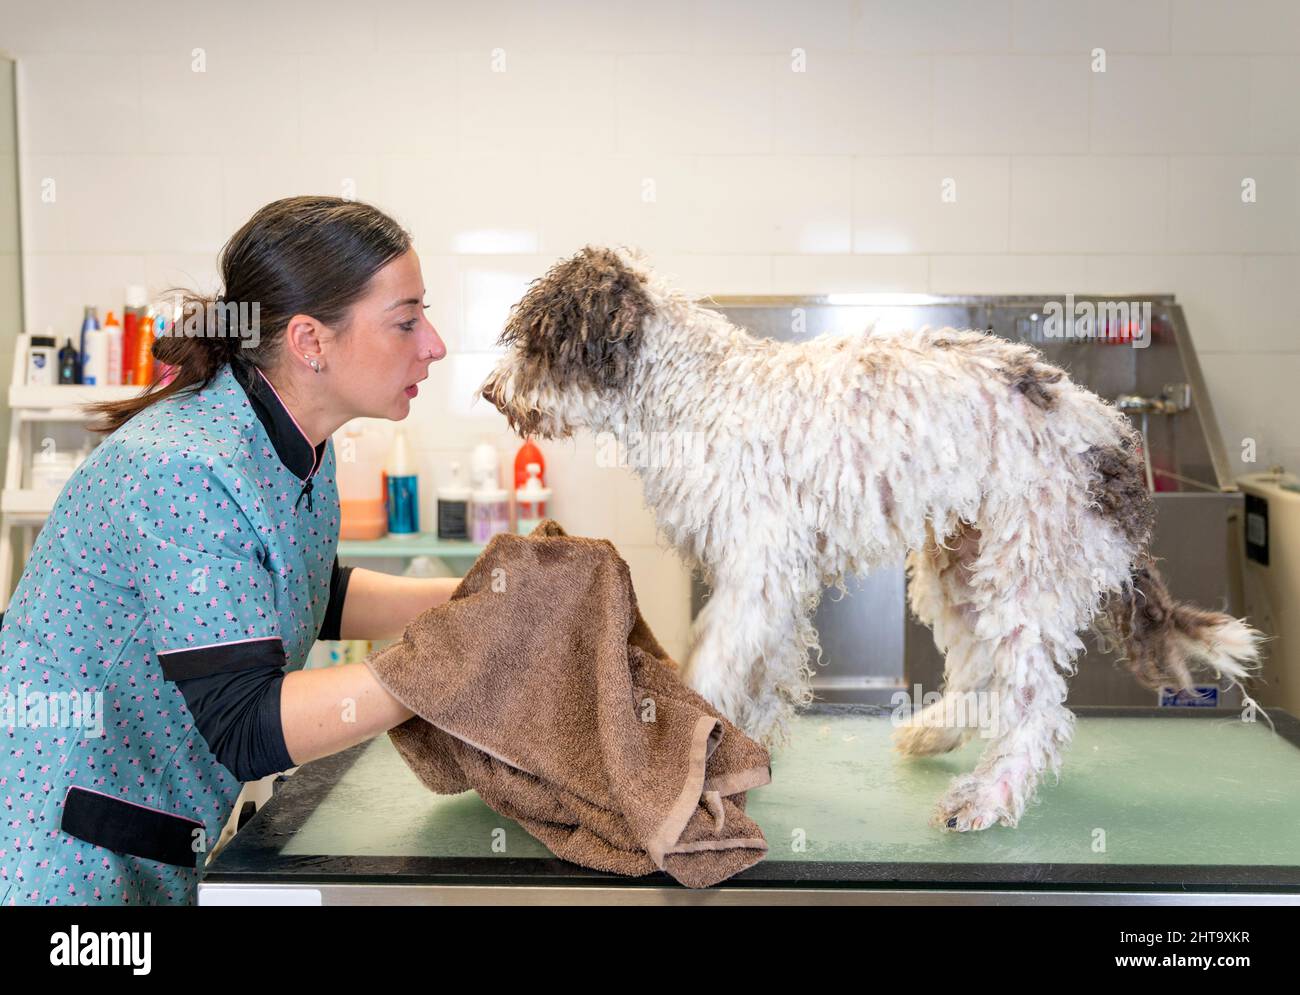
[(651, 449), (959, 709), (54, 710), (213, 319), (1127, 322)]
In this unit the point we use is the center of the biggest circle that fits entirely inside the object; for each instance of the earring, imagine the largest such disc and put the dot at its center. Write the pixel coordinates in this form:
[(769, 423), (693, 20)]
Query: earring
[(314, 365)]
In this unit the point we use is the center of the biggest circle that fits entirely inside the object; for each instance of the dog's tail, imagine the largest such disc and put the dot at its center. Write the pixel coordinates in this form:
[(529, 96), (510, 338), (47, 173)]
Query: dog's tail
[(1160, 639)]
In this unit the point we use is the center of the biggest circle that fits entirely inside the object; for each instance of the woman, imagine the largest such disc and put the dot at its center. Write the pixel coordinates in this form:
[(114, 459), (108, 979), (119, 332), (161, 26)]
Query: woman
[(190, 562)]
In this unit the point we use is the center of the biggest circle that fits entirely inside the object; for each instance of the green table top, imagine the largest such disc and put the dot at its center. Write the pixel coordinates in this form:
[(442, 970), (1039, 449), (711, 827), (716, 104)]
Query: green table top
[(1138, 789)]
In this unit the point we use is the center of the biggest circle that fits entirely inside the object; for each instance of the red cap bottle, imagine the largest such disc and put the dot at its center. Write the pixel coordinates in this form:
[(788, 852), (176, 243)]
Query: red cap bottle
[(528, 453)]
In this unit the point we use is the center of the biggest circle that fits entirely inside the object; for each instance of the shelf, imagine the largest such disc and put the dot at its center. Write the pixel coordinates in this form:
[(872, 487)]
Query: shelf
[(66, 398), (31, 505), (419, 544)]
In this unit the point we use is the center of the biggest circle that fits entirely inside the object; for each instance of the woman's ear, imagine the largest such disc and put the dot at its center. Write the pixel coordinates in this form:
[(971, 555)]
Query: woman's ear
[(582, 321)]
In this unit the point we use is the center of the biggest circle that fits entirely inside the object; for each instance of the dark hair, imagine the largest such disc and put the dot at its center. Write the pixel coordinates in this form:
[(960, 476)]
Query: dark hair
[(300, 255)]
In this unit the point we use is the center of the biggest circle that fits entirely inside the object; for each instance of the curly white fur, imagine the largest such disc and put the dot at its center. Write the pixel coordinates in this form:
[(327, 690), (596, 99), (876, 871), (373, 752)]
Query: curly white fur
[(820, 460)]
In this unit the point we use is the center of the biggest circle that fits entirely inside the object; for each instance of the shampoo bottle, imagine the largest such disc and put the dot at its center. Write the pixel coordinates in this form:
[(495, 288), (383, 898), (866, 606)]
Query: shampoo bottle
[(403, 489)]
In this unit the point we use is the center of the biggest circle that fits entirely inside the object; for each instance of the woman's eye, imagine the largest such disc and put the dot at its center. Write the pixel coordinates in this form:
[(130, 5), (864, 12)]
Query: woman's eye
[(409, 326)]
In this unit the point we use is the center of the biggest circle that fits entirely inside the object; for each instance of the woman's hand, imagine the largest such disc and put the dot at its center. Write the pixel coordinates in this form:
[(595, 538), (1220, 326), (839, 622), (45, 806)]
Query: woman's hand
[(327, 709)]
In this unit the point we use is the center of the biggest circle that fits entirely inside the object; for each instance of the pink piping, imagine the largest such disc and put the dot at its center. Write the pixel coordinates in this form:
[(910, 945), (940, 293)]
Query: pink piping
[(315, 461), (174, 815), (232, 642)]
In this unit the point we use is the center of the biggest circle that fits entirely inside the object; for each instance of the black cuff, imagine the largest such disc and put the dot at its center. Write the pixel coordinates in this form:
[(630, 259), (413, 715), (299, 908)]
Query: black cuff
[(331, 627), (238, 715), (203, 661)]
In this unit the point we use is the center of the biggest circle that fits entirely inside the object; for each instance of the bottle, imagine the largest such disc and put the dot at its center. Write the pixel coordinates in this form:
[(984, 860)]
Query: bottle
[(41, 361), (142, 360), (113, 353), (453, 507), (133, 315), (528, 453), (94, 356), (165, 372), (50, 470), (359, 472), (530, 501), (485, 466), (89, 322), (428, 566), (69, 363), (489, 512), (403, 489)]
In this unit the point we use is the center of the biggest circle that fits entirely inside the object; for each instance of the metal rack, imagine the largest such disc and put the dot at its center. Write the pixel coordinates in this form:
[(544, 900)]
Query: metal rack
[(873, 649)]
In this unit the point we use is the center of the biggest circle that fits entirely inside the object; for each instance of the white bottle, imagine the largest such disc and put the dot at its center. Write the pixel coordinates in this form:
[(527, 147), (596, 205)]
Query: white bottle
[(530, 501), (113, 339), (94, 358), (485, 466)]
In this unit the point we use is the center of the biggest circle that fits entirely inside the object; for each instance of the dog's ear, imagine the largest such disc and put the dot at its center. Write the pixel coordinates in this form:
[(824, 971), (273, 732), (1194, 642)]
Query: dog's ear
[(581, 321)]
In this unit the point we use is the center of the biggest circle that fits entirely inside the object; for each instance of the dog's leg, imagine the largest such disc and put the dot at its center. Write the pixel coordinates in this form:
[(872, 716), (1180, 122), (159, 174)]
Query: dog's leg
[(1036, 587), (749, 652), (942, 598), (1030, 728)]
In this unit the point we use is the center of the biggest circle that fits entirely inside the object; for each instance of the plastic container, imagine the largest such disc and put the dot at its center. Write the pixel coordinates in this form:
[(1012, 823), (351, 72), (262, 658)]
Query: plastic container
[(89, 322), (489, 513), (428, 566), (453, 507), (42, 361), (403, 489), (359, 470), (141, 363), (165, 372), (50, 471), (134, 315), (113, 337), (485, 467), (528, 454), (530, 501), (94, 356), (69, 363)]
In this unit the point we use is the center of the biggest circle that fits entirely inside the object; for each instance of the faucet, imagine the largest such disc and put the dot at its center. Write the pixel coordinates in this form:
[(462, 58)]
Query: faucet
[(1174, 397)]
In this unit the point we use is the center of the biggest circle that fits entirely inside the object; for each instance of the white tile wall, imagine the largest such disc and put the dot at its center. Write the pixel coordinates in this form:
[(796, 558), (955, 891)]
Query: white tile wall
[(750, 147), (1074, 26)]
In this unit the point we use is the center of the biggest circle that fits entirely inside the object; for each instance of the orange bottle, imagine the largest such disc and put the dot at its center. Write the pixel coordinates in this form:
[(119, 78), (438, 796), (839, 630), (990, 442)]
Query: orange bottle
[(142, 368)]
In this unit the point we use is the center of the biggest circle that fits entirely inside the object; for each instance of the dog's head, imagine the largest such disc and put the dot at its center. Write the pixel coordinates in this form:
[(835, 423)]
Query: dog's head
[(573, 341)]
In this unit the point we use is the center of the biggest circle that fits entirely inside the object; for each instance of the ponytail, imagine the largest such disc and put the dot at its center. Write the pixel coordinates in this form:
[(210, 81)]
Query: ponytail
[(197, 360)]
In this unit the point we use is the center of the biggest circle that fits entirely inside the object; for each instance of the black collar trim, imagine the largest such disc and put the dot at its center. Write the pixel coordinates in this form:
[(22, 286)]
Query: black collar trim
[(290, 442)]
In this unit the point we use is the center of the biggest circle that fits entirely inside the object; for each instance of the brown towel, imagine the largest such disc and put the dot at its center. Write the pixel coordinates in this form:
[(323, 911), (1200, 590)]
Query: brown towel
[(540, 686)]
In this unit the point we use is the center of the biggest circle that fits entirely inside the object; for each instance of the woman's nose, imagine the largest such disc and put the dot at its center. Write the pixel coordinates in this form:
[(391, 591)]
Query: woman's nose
[(435, 348)]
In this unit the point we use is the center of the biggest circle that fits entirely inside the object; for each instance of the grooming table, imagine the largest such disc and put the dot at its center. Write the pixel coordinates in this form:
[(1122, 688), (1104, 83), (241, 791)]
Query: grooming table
[(1154, 806)]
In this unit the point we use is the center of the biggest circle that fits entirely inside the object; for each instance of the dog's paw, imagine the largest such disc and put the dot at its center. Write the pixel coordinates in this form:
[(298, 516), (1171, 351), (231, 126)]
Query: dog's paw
[(918, 740), (973, 803)]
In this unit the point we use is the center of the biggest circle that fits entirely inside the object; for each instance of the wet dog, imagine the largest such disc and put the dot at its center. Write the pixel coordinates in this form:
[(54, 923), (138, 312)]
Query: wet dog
[(1017, 497)]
